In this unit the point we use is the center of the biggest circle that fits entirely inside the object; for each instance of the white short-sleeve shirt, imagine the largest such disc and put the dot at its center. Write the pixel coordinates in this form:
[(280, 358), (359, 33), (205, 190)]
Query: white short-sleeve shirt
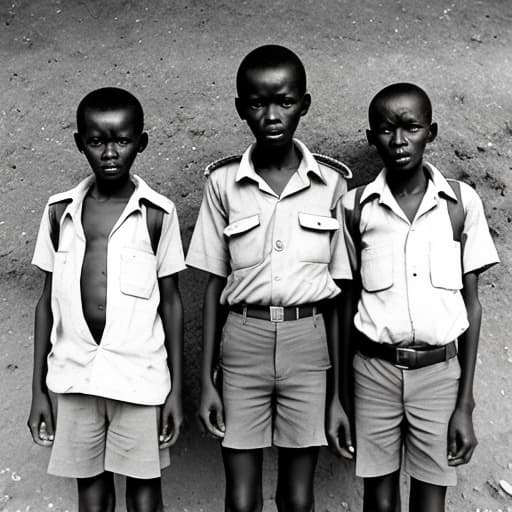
[(281, 250), (411, 272), (130, 363)]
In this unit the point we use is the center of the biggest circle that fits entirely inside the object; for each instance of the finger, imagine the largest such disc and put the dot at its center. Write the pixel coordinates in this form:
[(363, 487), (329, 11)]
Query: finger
[(43, 438), (452, 445), (219, 417), (463, 455), (334, 443)]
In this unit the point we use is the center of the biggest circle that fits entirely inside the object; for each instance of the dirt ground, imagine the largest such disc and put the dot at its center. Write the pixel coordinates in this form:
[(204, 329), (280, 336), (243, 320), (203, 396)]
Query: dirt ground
[(180, 59)]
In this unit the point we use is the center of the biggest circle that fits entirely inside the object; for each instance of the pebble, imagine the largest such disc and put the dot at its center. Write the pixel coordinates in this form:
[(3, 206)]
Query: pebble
[(506, 486)]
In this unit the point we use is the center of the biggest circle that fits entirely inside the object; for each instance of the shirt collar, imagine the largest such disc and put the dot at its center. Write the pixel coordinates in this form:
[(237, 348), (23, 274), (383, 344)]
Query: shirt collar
[(307, 165), (379, 186), (142, 193)]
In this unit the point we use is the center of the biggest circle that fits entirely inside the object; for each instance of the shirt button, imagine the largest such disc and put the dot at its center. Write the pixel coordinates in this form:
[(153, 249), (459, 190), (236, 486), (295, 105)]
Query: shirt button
[(279, 245)]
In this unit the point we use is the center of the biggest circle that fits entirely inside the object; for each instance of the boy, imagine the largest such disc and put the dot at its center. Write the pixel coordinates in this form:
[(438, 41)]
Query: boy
[(109, 323), (268, 235), (417, 244)]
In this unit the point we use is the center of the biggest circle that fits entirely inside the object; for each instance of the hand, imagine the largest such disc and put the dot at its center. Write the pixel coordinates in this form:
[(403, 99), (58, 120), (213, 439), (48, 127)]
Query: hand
[(171, 419), (40, 420), (211, 411), (461, 437), (338, 430)]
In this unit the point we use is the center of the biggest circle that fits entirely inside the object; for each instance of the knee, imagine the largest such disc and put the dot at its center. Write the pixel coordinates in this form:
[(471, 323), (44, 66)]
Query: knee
[(382, 504), (296, 502), (243, 503)]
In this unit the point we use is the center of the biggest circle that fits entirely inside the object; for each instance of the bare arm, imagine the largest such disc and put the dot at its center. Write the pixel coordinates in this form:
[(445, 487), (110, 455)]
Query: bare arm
[(337, 424), (171, 313), (40, 421), (461, 436), (210, 408)]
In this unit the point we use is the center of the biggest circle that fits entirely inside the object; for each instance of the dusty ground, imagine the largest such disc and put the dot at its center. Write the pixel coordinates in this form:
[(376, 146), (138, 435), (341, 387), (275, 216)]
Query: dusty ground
[(180, 58)]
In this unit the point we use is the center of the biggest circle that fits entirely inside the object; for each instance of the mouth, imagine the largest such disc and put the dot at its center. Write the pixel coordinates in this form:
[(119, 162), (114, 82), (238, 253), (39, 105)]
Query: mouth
[(402, 158), (274, 134), (110, 169)]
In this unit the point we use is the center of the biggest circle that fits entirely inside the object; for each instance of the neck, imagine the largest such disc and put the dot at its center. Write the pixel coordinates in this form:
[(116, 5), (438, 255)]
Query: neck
[(117, 190), (280, 158), (408, 183)]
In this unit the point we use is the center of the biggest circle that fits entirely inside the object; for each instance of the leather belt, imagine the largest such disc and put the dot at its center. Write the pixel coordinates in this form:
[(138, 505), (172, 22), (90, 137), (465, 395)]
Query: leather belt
[(276, 313), (406, 358)]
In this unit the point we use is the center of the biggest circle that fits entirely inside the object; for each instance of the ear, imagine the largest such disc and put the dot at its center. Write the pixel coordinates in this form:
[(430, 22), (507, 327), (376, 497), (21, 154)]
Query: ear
[(78, 142), (239, 105), (370, 137), (143, 142), (432, 132), (306, 103)]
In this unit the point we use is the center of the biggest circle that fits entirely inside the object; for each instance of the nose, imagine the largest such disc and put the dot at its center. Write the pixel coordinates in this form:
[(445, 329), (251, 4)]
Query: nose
[(399, 138), (272, 112), (110, 151)]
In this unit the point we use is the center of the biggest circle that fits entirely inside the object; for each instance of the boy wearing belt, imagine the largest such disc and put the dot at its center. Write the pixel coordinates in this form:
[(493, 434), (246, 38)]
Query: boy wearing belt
[(417, 243), (269, 236)]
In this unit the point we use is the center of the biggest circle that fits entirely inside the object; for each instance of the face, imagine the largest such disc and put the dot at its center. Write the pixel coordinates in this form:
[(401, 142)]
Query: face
[(110, 143), (400, 130), (272, 104)]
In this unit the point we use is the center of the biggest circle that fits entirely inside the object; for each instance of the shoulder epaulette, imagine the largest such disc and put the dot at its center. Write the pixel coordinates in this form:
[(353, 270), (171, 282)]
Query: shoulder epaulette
[(220, 162), (334, 164)]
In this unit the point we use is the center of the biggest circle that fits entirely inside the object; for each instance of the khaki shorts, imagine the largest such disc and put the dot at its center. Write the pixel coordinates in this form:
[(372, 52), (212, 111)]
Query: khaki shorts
[(405, 410), (274, 382), (95, 434)]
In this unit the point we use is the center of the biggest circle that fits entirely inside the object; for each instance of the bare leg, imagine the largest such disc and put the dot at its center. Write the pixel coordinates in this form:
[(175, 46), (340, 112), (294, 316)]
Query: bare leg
[(426, 497), (96, 494), (243, 480), (382, 493), (295, 481), (144, 495)]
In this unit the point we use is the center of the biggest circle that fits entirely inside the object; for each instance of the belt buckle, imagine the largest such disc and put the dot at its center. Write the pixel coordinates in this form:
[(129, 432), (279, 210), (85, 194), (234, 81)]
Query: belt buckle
[(403, 358), (276, 313)]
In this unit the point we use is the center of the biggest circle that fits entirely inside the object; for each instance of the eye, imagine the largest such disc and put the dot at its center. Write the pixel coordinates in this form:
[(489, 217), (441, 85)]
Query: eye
[(123, 141), (94, 141), (287, 102), (255, 104), (414, 128)]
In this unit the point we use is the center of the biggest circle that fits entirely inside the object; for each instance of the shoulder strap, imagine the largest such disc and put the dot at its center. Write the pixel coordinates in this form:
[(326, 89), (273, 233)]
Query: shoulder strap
[(55, 212), (220, 162), (456, 211), (334, 164), (154, 220)]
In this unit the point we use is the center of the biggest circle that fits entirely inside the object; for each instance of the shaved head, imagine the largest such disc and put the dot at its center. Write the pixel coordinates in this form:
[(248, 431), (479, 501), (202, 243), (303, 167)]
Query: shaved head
[(270, 56), (399, 89)]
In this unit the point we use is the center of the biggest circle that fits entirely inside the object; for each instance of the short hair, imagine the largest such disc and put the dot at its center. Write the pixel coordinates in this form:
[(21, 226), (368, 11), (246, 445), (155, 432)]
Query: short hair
[(107, 99), (397, 89), (268, 57)]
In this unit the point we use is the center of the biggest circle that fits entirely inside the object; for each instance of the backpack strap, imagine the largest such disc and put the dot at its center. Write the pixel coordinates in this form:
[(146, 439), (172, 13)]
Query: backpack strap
[(55, 212), (353, 220), (154, 221), (456, 211)]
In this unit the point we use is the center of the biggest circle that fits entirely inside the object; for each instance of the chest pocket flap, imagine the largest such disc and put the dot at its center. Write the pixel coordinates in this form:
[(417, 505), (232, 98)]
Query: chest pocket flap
[(318, 222), (242, 225)]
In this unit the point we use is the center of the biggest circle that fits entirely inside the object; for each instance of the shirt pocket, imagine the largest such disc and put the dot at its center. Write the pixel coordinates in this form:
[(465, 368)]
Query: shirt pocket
[(245, 242), (445, 265), (60, 273), (315, 237), (138, 273), (377, 267)]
